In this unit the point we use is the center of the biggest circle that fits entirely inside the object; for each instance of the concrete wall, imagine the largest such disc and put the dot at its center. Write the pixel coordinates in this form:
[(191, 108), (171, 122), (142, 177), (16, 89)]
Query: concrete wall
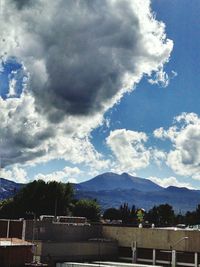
[(145, 237), (154, 238), (29, 230), (61, 232), (73, 251)]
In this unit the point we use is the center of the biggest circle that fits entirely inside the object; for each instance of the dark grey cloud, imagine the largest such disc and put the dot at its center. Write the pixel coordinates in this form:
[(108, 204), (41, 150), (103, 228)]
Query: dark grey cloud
[(88, 48), (18, 146), (23, 3), (81, 56)]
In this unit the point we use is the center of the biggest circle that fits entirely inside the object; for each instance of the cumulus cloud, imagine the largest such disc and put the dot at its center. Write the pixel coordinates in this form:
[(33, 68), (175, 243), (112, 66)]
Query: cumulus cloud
[(15, 173), (158, 156), (162, 78), (99, 49), (128, 148), (170, 181), (27, 137), (131, 151), (163, 134), (80, 58), (68, 174), (184, 157)]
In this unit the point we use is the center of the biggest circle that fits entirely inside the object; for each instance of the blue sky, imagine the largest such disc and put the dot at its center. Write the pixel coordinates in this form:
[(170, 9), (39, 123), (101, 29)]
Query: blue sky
[(152, 106), (70, 117)]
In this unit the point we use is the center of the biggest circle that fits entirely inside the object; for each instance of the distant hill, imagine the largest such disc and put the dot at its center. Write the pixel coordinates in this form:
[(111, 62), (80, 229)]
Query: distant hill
[(8, 188), (112, 190), (113, 181)]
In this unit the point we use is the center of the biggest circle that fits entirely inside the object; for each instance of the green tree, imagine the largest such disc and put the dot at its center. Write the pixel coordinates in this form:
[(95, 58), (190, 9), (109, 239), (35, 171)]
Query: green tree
[(179, 218), (112, 214), (197, 213), (193, 217), (153, 216), (87, 208), (162, 215), (39, 198), (125, 213), (128, 215)]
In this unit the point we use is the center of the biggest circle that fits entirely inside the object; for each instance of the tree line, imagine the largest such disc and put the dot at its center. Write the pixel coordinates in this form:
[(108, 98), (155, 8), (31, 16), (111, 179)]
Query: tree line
[(161, 215), (51, 198), (54, 198)]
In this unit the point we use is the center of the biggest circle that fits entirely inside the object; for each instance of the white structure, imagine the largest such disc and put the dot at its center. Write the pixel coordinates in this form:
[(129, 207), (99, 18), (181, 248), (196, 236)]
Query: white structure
[(101, 263)]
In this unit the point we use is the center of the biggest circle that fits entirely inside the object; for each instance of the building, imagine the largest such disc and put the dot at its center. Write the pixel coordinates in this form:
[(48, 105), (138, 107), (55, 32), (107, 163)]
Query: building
[(15, 252), (168, 247), (60, 242)]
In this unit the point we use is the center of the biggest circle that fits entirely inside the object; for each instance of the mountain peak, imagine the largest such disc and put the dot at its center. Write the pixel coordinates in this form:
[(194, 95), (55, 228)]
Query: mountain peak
[(113, 181), (125, 174)]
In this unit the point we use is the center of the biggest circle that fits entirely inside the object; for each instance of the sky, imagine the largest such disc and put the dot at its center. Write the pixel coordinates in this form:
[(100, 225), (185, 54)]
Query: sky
[(88, 87)]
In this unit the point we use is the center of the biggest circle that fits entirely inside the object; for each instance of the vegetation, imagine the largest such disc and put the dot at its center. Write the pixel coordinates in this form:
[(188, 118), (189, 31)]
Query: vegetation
[(38, 198), (124, 213), (112, 214), (87, 208), (50, 198), (162, 215), (55, 198)]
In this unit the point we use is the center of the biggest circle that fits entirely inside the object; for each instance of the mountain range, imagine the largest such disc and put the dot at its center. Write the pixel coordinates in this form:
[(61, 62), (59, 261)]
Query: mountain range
[(113, 181), (112, 190), (8, 188)]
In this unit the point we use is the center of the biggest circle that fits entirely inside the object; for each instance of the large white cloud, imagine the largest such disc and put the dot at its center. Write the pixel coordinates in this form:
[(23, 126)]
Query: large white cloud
[(68, 174), (129, 149), (81, 57), (169, 181), (132, 152), (27, 136), (184, 157), (15, 173)]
